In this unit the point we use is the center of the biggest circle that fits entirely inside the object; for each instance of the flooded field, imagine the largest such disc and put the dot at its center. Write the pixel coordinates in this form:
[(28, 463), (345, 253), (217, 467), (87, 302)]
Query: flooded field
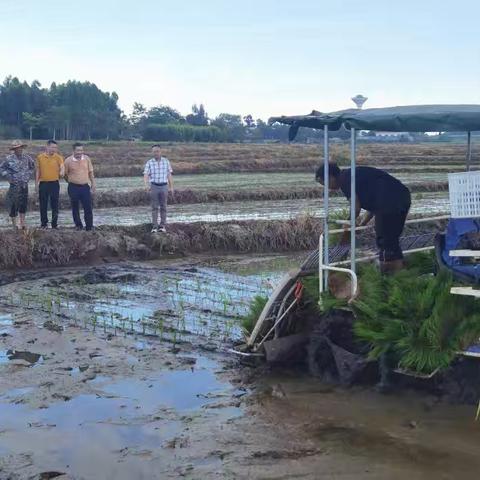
[(422, 203), (121, 372), (170, 302)]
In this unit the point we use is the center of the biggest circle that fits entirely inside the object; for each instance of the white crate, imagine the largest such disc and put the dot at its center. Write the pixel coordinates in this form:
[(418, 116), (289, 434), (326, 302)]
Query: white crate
[(464, 191)]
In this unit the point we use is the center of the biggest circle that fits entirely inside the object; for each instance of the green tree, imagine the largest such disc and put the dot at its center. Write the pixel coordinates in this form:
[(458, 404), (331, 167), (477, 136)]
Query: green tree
[(32, 121), (74, 109), (14, 100), (163, 115), (198, 117), (57, 118), (137, 117), (92, 113), (232, 125)]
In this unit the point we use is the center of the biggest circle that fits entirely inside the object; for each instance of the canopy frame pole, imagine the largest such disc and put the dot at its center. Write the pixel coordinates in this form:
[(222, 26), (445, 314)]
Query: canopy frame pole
[(326, 199), (469, 150), (353, 196)]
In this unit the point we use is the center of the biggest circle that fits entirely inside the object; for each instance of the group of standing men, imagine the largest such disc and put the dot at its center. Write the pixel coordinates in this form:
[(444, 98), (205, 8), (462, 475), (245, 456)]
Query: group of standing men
[(18, 168)]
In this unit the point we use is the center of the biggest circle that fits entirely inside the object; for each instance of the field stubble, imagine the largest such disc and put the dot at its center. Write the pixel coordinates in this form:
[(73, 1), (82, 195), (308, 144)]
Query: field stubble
[(127, 158)]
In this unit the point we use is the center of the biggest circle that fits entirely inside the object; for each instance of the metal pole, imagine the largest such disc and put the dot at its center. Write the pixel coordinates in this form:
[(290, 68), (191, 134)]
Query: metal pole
[(373, 257), (326, 193), (469, 150), (320, 268), (353, 194)]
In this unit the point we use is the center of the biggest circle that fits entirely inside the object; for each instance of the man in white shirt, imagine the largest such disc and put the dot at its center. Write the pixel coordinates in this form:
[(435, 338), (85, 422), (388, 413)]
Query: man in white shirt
[(157, 177)]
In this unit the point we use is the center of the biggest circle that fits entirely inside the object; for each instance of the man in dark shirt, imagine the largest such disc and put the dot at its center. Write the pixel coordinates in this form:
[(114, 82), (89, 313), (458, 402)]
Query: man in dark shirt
[(383, 197)]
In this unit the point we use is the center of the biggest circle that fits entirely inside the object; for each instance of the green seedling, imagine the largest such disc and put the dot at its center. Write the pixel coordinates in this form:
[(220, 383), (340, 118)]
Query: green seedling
[(161, 326), (174, 337)]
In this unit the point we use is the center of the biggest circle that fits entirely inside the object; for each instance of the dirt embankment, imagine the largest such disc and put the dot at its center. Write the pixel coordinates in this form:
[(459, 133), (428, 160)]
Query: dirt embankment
[(62, 247), (37, 248)]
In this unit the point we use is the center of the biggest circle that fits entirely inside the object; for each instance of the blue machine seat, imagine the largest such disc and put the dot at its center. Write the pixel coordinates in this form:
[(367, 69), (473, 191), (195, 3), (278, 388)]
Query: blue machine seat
[(459, 235)]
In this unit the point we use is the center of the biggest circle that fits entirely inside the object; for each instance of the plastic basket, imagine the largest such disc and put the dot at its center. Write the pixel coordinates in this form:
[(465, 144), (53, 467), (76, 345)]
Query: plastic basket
[(464, 191)]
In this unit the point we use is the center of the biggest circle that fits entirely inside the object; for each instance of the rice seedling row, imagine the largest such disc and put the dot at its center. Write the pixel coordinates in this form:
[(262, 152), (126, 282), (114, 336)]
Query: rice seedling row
[(170, 304)]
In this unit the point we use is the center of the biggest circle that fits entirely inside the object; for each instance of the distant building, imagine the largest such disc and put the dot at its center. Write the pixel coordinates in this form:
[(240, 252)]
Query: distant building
[(387, 136)]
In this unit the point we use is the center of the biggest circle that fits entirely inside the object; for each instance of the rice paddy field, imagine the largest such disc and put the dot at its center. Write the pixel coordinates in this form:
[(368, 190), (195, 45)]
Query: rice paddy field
[(241, 181), (217, 182), (114, 345)]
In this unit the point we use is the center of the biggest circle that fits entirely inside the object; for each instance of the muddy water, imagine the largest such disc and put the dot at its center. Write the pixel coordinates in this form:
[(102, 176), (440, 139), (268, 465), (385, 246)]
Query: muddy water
[(431, 203), (108, 401), (5, 323), (127, 429), (401, 436)]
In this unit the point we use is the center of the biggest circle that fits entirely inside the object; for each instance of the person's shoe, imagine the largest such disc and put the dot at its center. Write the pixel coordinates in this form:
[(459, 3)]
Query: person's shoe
[(43, 227), (54, 227), (78, 228), (162, 229), (154, 230), (90, 229)]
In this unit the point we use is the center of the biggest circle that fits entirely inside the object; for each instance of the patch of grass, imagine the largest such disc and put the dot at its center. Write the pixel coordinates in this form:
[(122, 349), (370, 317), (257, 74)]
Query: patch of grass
[(423, 263), (256, 308), (311, 297), (343, 214), (413, 316)]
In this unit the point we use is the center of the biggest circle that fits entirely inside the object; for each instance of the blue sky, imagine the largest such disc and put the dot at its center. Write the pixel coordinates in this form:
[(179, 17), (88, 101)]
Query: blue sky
[(263, 57)]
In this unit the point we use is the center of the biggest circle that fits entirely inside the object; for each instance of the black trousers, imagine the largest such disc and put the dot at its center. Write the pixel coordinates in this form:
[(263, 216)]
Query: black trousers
[(388, 228), (17, 199), (80, 194), (49, 192)]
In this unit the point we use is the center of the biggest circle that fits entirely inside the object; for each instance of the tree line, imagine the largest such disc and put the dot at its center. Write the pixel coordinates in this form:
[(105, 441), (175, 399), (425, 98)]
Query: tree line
[(81, 111)]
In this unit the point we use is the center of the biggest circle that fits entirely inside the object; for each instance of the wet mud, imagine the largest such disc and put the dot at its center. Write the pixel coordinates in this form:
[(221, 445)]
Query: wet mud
[(121, 372)]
